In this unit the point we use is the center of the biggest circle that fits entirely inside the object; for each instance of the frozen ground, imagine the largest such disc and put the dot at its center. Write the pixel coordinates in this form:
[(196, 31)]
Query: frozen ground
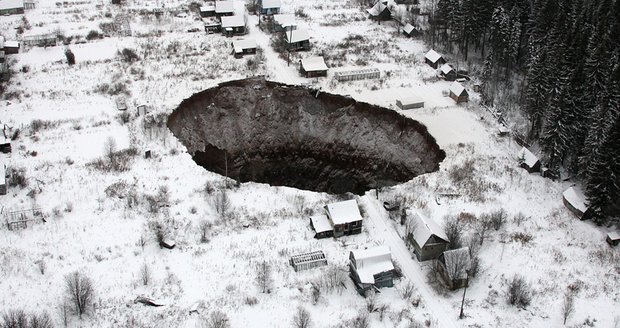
[(90, 231)]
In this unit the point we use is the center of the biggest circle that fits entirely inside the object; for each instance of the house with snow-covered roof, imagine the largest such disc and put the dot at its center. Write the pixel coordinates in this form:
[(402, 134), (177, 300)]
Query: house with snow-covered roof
[(4, 183), (284, 22), (233, 25), (11, 7), (426, 236), (313, 67), (434, 59), (207, 10), (453, 267), (297, 39), (322, 226), (344, 217), (244, 46), (379, 12), (411, 31), (528, 161), (613, 238), (371, 268), (410, 102), (447, 72), (224, 8), (269, 7), (576, 202), (458, 93)]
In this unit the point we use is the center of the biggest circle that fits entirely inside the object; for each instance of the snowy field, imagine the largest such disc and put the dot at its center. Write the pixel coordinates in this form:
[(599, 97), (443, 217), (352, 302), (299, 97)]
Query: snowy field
[(92, 230)]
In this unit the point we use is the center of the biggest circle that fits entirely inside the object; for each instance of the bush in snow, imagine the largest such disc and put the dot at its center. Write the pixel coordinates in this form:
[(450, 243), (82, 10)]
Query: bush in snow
[(518, 292), (70, 56), (217, 319), (263, 276), (17, 318), (17, 177), (454, 231), (145, 274), (204, 227), (79, 291), (498, 218), (129, 55), (302, 318)]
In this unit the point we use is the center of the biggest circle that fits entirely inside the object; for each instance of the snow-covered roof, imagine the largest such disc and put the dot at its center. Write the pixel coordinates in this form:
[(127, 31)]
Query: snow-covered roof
[(2, 173), (369, 262), (457, 88), (232, 21), (457, 262), (297, 35), (408, 28), (432, 55), (346, 211), (575, 197), (529, 159), (614, 235), (1, 42), (313, 64), (424, 228), (321, 223), (11, 4), (376, 9), (224, 7), (240, 45), (445, 68), (11, 44), (411, 100), (285, 20), (207, 8), (271, 4)]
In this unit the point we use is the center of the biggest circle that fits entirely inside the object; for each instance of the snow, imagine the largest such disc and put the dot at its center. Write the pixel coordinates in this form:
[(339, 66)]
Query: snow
[(240, 45), (446, 68), (285, 20), (408, 28), (266, 4), (529, 159), (207, 8), (424, 228), (614, 235), (432, 55), (222, 7), (575, 197), (312, 64), (297, 35), (11, 44), (232, 21), (411, 100), (321, 223), (457, 88), (11, 4), (344, 212), (372, 261)]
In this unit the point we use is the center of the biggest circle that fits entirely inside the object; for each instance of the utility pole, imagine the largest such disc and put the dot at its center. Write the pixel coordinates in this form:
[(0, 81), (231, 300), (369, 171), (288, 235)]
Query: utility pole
[(462, 315), (288, 57)]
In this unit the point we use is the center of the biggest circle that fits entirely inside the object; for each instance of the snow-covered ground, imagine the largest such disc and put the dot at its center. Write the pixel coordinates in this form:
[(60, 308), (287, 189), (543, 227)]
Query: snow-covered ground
[(94, 232)]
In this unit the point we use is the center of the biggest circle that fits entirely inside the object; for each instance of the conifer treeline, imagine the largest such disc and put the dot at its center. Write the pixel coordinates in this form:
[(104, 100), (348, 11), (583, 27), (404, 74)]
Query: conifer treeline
[(568, 51)]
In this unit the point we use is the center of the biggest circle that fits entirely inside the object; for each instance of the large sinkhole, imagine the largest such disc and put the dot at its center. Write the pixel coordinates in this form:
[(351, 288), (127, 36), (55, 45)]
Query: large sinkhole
[(256, 130)]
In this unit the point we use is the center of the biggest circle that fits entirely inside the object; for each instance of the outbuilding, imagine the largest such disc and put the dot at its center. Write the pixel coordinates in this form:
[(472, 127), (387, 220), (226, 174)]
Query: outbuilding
[(344, 217), (11, 47), (359, 74), (458, 93), (321, 226), (284, 22), (528, 161), (307, 261), (447, 72), (411, 31), (453, 267), (207, 11), (224, 8), (298, 39), (313, 67), (427, 237), (269, 7), (371, 268), (613, 238), (5, 140), (434, 59), (410, 102), (243, 47), (11, 7), (4, 183), (576, 202), (379, 12)]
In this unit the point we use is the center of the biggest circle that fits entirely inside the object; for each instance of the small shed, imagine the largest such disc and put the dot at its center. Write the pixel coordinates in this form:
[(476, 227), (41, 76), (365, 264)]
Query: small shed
[(284, 22), (5, 140), (11, 47), (143, 109), (298, 39), (447, 72), (411, 31), (313, 67), (243, 47), (345, 217), (410, 102), (379, 12), (233, 25), (371, 268), (207, 11), (427, 237), (167, 243), (11, 7), (121, 103), (528, 161), (434, 59), (458, 93), (613, 238), (4, 183), (307, 261), (269, 7), (212, 25), (453, 267), (358, 74), (576, 202), (224, 8), (321, 226)]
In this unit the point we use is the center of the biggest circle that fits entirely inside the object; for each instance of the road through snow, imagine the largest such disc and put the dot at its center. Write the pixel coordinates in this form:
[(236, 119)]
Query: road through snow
[(379, 226)]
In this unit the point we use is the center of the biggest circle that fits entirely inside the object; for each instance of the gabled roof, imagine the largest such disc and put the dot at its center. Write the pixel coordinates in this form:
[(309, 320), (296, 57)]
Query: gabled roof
[(425, 228), (346, 211), (240, 45), (575, 197), (321, 223), (207, 8), (11, 4), (432, 55), (377, 9), (614, 235), (457, 262), (457, 88), (369, 262), (408, 28), (224, 7), (297, 35), (445, 69), (285, 20), (11, 44), (271, 4), (410, 100), (529, 159), (232, 21)]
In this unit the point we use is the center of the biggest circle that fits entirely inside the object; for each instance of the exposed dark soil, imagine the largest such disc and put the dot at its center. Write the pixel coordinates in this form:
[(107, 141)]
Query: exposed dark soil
[(255, 130)]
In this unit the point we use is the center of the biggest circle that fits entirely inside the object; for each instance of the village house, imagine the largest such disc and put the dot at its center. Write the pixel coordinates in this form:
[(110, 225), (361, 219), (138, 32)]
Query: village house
[(453, 267), (11, 47), (344, 217), (297, 40), (528, 161), (411, 31), (322, 226), (243, 47), (576, 202), (207, 10), (212, 25), (447, 72), (4, 183), (410, 102), (284, 22), (458, 93), (11, 7), (426, 237), (313, 67), (307, 261), (379, 12), (224, 8), (233, 25), (371, 269), (269, 7), (433, 59), (613, 238)]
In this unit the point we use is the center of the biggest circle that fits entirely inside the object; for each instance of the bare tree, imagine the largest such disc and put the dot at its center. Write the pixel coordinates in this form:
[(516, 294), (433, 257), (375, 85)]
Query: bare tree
[(457, 264), (109, 149), (263, 276), (15, 319), (222, 204), (361, 321), (518, 292), (407, 290), (204, 227), (568, 306), (498, 218), (482, 226), (40, 320), (145, 274), (217, 319), (79, 290), (454, 230), (302, 318), (371, 301)]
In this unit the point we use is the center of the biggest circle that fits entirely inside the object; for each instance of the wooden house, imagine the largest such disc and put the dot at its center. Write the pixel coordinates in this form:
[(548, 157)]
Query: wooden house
[(410, 102), (11, 7), (453, 267), (613, 238), (447, 72), (307, 261), (379, 12), (344, 217), (313, 67), (284, 22), (458, 93), (576, 202), (426, 236), (434, 59), (411, 31), (11, 47), (528, 161), (297, 39), (207, 11), (224, 8), (321, 226), (4, 182), (233, 25), (243, 47), (371, 269), (269, 7)]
